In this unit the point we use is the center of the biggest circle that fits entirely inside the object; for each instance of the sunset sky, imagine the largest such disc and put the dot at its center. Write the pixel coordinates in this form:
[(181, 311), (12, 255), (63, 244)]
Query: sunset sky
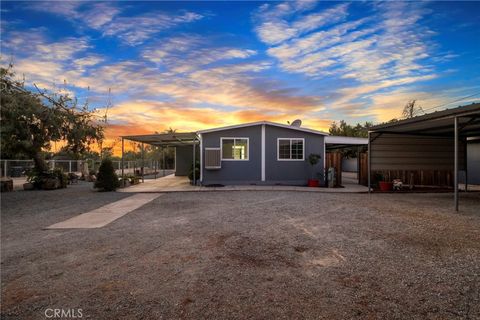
[(192, 65)]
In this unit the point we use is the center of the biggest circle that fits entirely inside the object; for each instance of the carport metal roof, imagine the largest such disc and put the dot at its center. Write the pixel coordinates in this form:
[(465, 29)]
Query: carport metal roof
[(459, 123), (165, 139), (339, 142)]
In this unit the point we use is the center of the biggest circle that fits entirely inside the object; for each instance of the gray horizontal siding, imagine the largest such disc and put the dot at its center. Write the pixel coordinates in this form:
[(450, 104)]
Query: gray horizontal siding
[(276, 172), (292, 172), (234, 171), (396, 152), (183, 160)]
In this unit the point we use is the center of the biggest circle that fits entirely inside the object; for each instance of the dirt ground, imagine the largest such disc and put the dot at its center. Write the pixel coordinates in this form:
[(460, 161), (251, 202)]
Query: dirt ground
[(244, 255)]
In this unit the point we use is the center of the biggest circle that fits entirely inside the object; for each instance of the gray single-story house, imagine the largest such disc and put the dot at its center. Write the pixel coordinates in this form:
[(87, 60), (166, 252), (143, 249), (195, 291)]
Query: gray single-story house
[(260, 153)]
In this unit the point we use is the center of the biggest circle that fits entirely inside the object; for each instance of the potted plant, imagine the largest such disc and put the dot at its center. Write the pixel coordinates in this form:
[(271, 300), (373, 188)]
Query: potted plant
[(384, 183), (313, 160)]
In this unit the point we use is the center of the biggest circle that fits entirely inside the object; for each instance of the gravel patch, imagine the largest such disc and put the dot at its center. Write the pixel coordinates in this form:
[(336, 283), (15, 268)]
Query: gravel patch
[(237, 255)]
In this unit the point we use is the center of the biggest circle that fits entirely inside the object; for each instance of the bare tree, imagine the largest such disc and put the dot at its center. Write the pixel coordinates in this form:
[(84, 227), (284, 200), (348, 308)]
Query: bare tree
[(411, 110)]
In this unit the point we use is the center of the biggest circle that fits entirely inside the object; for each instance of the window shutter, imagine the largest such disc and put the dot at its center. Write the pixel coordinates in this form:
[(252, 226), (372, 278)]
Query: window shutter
[(212, 158)]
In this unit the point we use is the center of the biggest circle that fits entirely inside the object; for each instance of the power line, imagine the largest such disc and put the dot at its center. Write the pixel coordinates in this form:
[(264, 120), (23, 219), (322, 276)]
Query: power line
[(446, 104)]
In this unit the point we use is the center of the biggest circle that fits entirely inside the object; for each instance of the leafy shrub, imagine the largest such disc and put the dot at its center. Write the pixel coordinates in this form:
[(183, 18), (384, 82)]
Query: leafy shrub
[(107, 179), (313, 160), (197, 172), (61, 176)]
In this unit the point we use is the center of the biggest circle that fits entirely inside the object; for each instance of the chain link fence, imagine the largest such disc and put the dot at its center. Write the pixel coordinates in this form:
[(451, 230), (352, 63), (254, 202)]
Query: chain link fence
[(21, 168)]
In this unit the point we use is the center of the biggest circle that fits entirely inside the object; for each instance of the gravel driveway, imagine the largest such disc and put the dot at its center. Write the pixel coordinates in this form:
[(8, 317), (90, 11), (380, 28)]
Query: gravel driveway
[(244, 255)]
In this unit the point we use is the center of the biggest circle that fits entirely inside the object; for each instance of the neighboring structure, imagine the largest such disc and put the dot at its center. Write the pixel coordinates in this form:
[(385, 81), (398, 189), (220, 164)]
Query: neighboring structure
[(260, 153)]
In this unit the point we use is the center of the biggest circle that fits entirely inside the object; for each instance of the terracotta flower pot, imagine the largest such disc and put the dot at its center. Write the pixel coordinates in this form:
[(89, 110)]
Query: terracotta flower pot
[(385, 186), (313, 183)]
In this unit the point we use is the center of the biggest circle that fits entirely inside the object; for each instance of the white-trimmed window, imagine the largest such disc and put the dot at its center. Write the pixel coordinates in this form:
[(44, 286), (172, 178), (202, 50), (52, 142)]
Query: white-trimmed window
[(290, 149), (234, 148)]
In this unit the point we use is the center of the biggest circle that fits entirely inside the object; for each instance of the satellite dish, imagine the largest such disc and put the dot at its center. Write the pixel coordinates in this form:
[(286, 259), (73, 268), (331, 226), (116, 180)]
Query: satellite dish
[(297, 123)]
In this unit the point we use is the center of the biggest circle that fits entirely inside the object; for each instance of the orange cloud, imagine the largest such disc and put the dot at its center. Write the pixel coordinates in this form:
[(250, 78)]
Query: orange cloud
[(144, 117)]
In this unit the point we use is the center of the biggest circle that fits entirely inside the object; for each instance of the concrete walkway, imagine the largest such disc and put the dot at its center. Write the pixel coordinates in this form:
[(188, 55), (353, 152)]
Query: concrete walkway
[(173, 183), (170, 183), (104, 215)]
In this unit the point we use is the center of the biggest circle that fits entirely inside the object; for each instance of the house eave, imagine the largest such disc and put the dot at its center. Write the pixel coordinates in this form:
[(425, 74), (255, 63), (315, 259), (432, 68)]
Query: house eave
[(258, 123)]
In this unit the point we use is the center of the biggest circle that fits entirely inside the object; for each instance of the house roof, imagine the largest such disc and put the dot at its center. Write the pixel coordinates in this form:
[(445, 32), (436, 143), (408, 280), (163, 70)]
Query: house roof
[(438, 123), (250, 124)]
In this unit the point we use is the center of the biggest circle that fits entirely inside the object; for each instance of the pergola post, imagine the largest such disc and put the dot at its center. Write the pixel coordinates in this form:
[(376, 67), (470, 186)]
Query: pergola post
[(123, 171), (369, 155), (163, 160), (143, 163), (455, 164), (194, 178), (156, 165)]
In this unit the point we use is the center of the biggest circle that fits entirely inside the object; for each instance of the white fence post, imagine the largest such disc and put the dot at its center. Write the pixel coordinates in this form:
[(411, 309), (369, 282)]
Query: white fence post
[(69, 165)]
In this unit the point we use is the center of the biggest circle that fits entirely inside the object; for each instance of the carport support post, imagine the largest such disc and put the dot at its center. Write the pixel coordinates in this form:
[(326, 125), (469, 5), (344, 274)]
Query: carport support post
[(163, 160), (123, 172), (369, 153), (194, 178), (143, 163), (455, 166), (156, 164), (465, 163)]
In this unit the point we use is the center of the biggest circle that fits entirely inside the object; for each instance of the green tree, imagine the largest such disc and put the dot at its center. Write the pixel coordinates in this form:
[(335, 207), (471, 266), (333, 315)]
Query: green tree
[(31, 121), (347, 130)]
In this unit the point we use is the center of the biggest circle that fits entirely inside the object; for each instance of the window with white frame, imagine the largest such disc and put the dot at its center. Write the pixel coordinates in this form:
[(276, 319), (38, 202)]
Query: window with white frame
[(234, 148), (290, 149)]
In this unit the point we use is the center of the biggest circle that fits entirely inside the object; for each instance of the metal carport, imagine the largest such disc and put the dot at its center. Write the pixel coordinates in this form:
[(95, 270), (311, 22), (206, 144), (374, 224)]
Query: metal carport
[(430, 142), (164, 140)]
